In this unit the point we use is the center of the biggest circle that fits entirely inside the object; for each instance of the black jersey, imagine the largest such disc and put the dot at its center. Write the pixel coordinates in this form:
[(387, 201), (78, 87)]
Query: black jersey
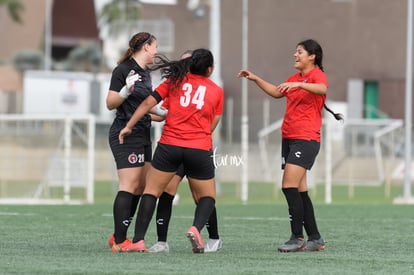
[(142, 88)]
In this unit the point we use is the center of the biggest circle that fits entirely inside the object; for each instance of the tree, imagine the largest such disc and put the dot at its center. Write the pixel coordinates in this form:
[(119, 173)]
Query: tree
[(86, 58), (27, 60), (14, 7), (120, 15)]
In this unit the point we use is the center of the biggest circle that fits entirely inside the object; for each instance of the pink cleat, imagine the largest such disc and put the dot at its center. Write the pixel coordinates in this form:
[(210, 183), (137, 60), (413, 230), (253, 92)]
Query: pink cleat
[(195, 239)]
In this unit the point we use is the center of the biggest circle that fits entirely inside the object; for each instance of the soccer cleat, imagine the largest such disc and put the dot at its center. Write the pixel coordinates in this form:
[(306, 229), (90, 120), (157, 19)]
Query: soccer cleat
[(293, 245), (213, 245), (121, 247), (111, 240), (159, 247), (195, 239), (315, 245), (137, 247)]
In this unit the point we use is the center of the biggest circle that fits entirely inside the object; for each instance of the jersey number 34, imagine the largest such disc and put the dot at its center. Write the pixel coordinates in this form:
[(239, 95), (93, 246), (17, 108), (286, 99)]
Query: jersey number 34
[(188, 97)]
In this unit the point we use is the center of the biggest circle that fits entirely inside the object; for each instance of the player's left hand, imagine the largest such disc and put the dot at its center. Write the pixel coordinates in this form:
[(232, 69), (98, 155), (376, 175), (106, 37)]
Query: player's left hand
[(124, 132), (131, 79)]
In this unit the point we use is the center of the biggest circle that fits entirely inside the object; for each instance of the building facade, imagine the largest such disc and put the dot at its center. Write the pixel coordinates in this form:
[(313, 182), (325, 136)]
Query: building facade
[(363, 40)]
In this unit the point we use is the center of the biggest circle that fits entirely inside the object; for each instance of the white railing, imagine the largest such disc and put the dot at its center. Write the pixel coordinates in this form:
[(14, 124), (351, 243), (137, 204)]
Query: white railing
[(342, 141), (44, 151)]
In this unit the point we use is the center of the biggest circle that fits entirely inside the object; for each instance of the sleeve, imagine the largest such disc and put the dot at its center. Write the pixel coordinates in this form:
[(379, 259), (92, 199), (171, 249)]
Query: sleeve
[(320, 78), (117, 80), (157, 96), (162, 89)]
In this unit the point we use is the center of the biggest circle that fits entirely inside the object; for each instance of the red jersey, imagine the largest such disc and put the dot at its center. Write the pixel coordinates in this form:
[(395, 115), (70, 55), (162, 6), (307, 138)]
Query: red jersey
[(303, 117), (191, 109)]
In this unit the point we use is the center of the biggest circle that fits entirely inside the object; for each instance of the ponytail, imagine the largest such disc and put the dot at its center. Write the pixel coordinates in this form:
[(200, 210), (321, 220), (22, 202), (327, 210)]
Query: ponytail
[(127, 55), (337, 116)]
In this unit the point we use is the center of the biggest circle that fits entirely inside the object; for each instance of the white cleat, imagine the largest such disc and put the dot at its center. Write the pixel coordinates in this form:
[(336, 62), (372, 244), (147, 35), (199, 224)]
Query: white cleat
[(159, 247), (213, 245)]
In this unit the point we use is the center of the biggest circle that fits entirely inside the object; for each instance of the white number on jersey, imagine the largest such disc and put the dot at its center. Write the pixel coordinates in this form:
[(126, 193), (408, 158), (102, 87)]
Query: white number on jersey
[(197, 99)]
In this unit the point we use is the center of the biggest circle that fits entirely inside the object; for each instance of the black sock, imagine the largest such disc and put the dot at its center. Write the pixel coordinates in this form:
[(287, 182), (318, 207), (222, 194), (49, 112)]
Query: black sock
[(309, 220), (163, 215), (144, 215), (134, 206), (295, 205), (121, 213), (203, 211), (212, 226)]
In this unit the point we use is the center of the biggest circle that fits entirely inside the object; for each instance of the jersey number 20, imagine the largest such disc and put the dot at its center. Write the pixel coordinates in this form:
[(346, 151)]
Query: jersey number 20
[(197, 98)]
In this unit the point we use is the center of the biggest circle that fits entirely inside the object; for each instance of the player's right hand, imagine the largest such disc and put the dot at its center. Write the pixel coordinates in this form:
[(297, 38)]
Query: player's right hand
[(123, 133), (247, 74)]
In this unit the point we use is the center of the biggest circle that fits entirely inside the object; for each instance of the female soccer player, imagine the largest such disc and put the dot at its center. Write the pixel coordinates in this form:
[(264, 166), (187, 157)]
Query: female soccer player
[(130, 85), (195, 108), (164, 208), (305, 94)]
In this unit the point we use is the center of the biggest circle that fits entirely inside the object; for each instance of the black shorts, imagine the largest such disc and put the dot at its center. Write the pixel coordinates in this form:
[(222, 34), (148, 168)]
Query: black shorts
[(198, 163), (181, 172), (131, 155), (300, 152), (137, 147)]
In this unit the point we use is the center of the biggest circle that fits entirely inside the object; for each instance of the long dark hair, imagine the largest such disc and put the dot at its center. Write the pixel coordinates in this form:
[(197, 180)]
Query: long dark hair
[(313, 47), (176, 70)]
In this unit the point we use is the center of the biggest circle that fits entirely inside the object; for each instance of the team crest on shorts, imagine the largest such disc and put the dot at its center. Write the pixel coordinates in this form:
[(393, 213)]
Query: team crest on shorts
[(132, 158)]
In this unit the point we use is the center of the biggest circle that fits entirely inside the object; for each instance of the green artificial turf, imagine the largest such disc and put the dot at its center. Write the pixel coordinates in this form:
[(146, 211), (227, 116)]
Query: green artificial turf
[(363, 238)]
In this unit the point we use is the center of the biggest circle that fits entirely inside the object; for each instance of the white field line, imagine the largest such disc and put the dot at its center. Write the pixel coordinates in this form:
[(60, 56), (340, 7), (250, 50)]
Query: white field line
[(226, 218), (387, 220), (16, 214)]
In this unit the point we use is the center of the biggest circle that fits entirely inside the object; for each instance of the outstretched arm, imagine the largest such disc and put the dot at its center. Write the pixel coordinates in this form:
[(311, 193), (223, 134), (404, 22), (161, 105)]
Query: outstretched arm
[(315, 88), (267, 87), (142, 109)]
